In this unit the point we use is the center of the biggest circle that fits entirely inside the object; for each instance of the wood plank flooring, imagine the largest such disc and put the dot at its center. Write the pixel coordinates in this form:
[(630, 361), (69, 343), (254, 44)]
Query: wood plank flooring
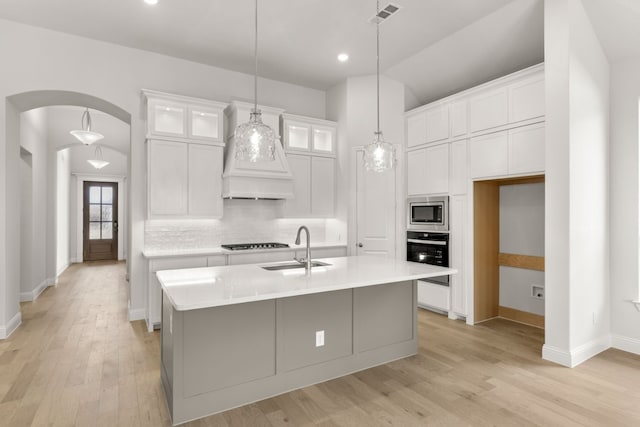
[(76, 360)]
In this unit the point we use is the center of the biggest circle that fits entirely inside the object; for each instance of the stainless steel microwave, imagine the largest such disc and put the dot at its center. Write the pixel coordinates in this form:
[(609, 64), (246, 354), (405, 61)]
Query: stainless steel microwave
[(428, 213)]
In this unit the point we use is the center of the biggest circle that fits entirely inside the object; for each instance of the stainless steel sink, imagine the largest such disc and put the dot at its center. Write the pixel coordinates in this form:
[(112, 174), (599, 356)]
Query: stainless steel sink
[(293, 265)]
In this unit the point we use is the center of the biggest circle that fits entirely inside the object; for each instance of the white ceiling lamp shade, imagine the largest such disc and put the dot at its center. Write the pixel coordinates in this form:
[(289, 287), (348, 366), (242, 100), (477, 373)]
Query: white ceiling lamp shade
[(254, 140), (86, 135), (379, 155), (98, 162)]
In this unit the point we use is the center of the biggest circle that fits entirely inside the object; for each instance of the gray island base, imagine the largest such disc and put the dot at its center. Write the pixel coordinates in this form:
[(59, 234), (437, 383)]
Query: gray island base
[(224, 356)]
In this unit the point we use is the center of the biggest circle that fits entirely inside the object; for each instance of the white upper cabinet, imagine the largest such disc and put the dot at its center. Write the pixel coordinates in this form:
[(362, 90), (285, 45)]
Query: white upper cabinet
[(489, 110), (184, 179), (526, 99), (314, 181), (428, 170), (181, 117), (437, 123), (306, 134), (515, 151), (458, 167), (416, 130), (526, 149), (458, 118), (489, 155)]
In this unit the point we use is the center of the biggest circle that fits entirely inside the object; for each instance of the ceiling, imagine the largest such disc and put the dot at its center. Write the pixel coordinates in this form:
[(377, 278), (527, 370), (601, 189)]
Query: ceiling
[(299, 40), (434, 47)]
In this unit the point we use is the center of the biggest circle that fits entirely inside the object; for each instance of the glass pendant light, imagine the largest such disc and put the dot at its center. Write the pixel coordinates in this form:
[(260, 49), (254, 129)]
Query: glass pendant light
[(379, 155), (86, 135), (98, 163), (254, 140)]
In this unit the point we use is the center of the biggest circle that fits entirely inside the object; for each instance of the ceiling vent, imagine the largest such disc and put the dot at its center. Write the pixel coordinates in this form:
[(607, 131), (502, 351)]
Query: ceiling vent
[(385, 13)]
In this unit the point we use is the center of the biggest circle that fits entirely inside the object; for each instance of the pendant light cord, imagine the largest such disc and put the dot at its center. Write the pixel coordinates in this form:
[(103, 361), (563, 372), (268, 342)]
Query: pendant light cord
[(378, 64), (255, 54)]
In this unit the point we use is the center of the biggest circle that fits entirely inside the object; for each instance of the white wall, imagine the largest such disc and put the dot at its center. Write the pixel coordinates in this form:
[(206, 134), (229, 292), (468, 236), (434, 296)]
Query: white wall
[(49, 60), (577, 177), (33, 138), (521, 232), (63, 175), (353, 104), (625, 137), (26, 224)]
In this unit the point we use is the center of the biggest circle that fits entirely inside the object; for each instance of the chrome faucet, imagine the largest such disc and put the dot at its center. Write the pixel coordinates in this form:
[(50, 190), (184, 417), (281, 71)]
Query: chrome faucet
[(306, 261)]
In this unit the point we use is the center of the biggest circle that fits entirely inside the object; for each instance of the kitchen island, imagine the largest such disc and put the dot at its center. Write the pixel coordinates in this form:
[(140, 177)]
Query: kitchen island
[(233, 335)]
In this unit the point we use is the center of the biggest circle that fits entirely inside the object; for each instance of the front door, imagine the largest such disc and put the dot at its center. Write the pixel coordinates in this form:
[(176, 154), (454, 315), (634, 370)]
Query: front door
[(375, 210), (100, 221)]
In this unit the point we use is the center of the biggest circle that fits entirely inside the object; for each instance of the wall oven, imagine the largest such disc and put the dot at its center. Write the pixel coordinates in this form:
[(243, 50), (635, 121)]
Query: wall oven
[(429, 248), (428, 214)]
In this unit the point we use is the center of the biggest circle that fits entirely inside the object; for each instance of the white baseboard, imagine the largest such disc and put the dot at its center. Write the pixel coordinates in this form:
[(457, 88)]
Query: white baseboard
[(631, 345), (576, 356), (588, 350), (32, 295), (556, 355), (13, 324), (62, 270), (137, 314)]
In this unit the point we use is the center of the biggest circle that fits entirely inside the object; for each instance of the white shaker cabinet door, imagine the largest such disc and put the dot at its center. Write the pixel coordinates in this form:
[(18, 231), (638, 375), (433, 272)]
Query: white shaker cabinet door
[(437, 169), (300, 205), (457, 283), (416, 130), (526, 100), (437, 123), (417, 172), (526, 149), (458, 118), (205, 180), (489, 110), (168, 178), (323, 172), (458, 167), (489, 155)]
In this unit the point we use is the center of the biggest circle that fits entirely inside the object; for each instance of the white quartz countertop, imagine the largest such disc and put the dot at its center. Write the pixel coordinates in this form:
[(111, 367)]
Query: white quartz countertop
[(168, 253), (195, 288)]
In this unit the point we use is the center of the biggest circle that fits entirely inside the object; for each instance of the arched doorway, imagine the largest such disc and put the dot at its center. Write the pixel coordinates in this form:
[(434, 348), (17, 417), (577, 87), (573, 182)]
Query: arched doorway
[(10, 192)]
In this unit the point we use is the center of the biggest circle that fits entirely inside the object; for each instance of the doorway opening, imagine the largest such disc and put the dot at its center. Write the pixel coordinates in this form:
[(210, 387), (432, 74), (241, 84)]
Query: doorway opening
[(509, 250), (100, 221)]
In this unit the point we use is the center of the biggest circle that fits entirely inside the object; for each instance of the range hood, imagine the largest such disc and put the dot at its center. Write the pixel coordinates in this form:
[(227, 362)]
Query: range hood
[(254, 180)]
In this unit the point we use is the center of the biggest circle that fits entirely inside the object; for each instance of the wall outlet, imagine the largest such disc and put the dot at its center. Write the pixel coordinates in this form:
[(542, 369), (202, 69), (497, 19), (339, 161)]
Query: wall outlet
[(319, 338), (537, 291)]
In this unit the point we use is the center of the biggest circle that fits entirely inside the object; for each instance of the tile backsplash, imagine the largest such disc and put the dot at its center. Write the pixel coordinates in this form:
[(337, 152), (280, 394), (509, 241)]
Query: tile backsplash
[(243, 221)]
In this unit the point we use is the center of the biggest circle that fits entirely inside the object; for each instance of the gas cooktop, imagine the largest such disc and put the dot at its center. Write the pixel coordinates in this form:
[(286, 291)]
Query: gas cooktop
[(247, 246)]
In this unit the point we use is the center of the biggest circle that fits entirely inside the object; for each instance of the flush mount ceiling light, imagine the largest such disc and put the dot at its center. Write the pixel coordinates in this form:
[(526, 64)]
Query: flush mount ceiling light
[(98, 163), (379, 155), (86, 135), (254, 140), (151, 2), (343, 57)]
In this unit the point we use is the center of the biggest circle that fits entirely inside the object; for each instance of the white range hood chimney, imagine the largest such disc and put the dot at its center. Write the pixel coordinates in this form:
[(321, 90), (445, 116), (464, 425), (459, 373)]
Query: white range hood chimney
[(255, 180)]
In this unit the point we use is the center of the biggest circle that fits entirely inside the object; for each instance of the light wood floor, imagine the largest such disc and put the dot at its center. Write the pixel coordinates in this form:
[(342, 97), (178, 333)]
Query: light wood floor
[(76, 360)]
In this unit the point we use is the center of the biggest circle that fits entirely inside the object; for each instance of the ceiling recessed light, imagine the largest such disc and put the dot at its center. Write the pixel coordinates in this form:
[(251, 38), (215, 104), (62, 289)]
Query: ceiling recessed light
[(151, 2), (343, 57)]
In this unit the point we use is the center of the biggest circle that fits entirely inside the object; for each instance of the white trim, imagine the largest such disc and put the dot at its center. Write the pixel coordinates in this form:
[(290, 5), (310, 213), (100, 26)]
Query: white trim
[(122, 217), (637, 304), (7, 330), (35, 293), (631, 345), (556, 355), (587, 350), (137, 314), (62, 270)]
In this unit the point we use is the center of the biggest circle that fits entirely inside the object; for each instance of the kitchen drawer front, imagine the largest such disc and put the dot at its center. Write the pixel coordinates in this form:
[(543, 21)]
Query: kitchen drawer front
[(260, 257), (432, 295)]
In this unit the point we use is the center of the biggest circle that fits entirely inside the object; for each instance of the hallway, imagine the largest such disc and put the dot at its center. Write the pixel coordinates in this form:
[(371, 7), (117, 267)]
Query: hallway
[(77, 360)]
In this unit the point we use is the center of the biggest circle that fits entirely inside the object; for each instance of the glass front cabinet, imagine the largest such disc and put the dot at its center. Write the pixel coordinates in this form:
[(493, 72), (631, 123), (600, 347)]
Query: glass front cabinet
[(305, 134), (182, 117)]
